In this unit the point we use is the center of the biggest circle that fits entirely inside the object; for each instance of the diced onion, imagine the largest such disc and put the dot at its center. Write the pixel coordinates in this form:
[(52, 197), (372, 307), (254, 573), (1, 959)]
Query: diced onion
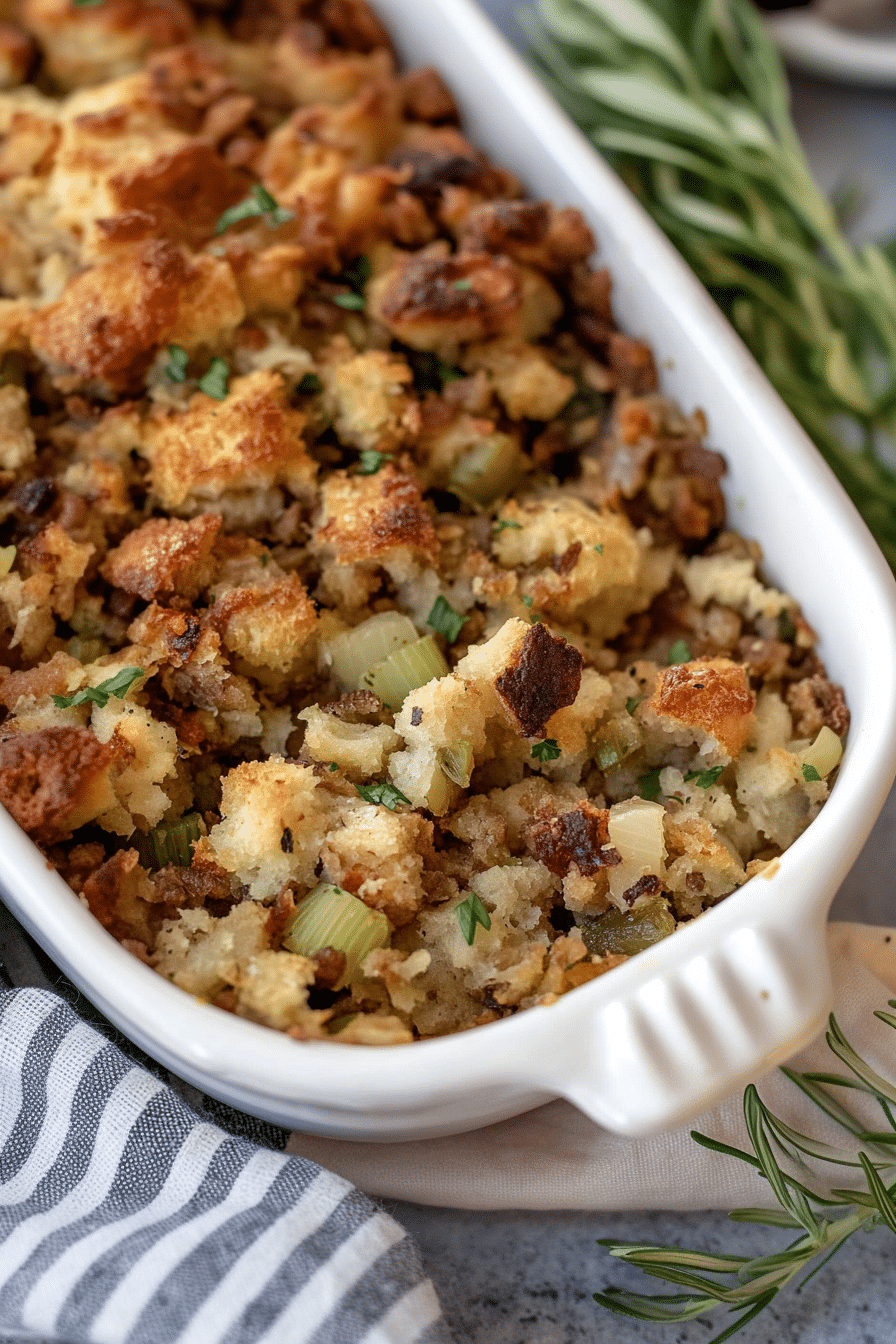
[(7, 559), (404, 671), (169, 842), (457, 762), (636, 831), (331, 917), (824, 753), (353, 653), (486, 472)]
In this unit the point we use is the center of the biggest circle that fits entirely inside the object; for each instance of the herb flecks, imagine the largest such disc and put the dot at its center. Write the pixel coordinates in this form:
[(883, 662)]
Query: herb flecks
[(370, 460), (309, 383), (811, 775), (649, 785), (383, 793), (679, 653), (355, 275), (471, 913), (214, 381), (547, 750), (100, 695), (176, 368), (632, 703), (704, 779), (501, 525), (445, 620), (259, 204)]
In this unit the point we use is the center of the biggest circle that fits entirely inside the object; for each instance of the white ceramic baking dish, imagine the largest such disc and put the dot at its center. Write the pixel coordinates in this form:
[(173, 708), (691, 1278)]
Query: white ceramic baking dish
[(734, 992)]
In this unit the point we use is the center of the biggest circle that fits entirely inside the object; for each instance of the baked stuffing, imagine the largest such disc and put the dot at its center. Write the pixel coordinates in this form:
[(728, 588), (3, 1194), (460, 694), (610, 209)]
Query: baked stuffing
[(377, 660)]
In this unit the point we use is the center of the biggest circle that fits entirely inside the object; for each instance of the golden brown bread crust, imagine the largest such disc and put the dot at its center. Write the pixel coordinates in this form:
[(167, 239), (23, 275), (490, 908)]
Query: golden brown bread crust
[(52, 779), (371, 516), (545, 676), (713, 696), (580, 837), (165, 558)]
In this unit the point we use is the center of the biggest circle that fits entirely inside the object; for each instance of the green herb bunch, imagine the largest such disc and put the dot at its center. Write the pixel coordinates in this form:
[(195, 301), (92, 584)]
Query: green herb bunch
[(689, 100), (823, 1222)]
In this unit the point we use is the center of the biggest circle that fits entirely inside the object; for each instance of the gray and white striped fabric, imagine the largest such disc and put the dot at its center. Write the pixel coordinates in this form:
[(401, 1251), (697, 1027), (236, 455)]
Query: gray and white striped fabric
[(125, 1219)]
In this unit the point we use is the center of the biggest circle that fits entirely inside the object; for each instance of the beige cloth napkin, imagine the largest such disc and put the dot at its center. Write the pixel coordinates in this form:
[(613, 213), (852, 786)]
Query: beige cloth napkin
[(556, 1158)]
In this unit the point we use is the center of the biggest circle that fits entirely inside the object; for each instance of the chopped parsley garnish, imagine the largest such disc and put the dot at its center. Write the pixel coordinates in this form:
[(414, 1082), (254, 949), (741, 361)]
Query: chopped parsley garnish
[(469, 913), (649, 784), (87, 4), (384, 793), (546, 750), (119, 685), (214, 382), (704, 779), (370, 461), (308, 383), (811, 775), (265, 559), (258, 204), (679, 653), (599, 548), (176, 368), (632, 703), (503, 523), (353, 302), (445, 620), (527, 601), (333, 766), (463, 284), (786, 627)]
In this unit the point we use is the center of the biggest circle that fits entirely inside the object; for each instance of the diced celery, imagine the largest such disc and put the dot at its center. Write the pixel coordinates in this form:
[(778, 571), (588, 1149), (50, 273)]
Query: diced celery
[(331, 917), (486, 472), (824, 753), (613, 743), (439, 795), (457, 762), (627, 931), (169, 842), (404, 671), (355, 652)]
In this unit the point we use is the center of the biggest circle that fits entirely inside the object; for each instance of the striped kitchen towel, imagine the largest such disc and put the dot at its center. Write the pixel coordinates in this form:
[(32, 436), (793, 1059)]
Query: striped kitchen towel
[(127, 1219)]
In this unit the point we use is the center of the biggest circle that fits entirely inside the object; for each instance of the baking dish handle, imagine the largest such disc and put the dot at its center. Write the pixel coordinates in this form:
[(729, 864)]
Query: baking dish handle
[(681, 1041)]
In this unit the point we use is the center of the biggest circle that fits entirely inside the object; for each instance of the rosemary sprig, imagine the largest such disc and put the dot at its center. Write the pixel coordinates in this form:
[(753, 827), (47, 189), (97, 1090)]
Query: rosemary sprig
[(824, 1222), (689, 100)]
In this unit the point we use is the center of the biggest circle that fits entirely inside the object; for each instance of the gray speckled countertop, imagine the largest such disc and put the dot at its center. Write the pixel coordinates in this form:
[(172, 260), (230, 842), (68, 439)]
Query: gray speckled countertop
[(527, 1278)]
